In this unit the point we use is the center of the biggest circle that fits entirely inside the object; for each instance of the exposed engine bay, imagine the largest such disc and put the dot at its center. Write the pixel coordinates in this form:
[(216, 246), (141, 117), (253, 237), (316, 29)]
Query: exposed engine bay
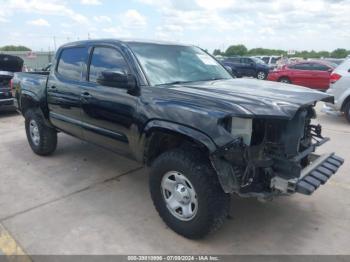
[(274, 159)]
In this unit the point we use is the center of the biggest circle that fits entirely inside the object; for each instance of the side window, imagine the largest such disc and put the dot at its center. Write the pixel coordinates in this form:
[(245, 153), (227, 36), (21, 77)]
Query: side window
[(105, 58), (320, 67), (266, 59), (303, 66), (71, 61), (247, 61), (233, 60)]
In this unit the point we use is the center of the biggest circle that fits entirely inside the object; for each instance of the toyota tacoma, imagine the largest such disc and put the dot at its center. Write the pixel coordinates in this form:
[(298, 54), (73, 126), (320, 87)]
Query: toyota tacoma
[(177, 110)]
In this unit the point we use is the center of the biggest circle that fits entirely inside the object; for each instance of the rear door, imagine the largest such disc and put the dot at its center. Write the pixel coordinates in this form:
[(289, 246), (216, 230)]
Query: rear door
[(321, 76), (249, 67), (301, 74), (64, 89)]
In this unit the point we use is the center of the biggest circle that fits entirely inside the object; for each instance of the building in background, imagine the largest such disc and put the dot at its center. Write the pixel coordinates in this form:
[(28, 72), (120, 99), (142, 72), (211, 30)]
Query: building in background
[(33, 60)]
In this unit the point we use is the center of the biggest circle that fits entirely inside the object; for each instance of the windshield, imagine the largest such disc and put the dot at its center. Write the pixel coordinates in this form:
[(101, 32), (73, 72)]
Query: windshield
[(169, 64), (258, 60)]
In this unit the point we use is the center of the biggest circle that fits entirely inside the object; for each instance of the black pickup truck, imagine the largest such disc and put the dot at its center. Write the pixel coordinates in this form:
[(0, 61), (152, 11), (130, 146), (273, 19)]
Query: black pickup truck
[(176, 109)]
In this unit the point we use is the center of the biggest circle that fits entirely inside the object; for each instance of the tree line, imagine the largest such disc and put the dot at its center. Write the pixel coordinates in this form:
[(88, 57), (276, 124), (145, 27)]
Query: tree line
[(242, 50), (14, 48)]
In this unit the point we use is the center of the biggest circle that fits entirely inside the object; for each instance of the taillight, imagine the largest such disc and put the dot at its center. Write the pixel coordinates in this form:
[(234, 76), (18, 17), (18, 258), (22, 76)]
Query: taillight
[(334, 78), (11, 84)]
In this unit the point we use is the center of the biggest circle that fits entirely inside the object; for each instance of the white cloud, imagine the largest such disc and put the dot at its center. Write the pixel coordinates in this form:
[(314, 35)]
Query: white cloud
[(90, 2), (39, 22), (117, 32), (133, 19), (102, 19), (49, 7), (297, 24)]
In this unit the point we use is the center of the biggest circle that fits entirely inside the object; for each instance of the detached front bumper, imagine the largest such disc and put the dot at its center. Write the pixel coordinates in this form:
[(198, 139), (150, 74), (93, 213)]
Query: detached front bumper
[(318, 173), (312, 177)]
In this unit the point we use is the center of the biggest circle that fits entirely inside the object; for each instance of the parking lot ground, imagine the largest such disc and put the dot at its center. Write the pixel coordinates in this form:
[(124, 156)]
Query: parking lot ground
[(86, 200)]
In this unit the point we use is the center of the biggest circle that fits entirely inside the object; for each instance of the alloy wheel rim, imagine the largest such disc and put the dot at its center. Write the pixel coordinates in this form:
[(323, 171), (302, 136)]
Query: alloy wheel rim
[(34, 132), (261, 75), (179, 195)]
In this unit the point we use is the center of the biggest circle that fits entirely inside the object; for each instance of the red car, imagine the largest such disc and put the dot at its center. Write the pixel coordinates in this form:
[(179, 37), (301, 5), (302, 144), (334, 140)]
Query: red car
[(315, 75)]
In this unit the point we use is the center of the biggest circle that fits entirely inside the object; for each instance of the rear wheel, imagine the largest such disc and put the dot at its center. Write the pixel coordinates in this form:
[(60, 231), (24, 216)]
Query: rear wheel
[(347, 111), (187, 194), (42, 138), (284, 80)]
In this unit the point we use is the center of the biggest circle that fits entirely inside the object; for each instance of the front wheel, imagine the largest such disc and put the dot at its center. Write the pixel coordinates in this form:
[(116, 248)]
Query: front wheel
[(347, 111), (261, 75), (42, 138), (187, 193)]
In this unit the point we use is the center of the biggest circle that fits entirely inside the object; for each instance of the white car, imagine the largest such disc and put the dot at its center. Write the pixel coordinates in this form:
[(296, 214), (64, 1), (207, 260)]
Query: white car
[(271, 61), (340, 89)]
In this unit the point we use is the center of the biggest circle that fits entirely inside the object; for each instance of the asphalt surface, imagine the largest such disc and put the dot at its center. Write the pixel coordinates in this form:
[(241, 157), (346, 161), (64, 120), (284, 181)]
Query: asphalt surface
[(86, 200)]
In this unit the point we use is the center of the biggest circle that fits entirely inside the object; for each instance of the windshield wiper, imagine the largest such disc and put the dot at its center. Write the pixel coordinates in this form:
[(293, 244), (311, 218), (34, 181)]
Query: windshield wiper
[(175, 83)]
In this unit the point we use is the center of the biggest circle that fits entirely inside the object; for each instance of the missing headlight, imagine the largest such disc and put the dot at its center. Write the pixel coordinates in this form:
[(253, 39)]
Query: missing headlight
[(242, 127)]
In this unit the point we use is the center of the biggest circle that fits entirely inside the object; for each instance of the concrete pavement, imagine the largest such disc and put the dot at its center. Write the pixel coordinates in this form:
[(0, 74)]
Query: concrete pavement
[(86, 200)]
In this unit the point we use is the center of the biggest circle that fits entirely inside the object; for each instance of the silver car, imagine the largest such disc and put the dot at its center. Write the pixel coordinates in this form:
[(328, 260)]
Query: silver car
[(340, 89)]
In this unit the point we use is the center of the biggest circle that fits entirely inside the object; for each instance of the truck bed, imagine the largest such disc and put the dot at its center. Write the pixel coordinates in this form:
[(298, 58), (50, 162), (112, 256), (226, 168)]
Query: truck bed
[(32, 84)]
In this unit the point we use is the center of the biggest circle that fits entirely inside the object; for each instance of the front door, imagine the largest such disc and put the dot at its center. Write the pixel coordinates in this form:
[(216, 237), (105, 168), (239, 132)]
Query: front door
[(249, 67), (108, 113)]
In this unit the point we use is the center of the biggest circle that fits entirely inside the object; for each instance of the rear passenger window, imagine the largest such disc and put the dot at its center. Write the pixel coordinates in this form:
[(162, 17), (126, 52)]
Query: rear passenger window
[(303, 66), (319, 67), (106, 59), (71, 62)]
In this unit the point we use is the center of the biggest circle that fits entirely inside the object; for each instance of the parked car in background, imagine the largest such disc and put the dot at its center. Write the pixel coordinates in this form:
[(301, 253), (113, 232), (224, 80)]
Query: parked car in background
[(312, 74), (247, 66), (337, 61), (340, 89), (8, 66), (271, 61)]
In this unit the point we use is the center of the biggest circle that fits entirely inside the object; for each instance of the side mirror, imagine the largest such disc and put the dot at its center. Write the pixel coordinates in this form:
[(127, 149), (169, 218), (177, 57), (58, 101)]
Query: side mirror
[(117, 79)]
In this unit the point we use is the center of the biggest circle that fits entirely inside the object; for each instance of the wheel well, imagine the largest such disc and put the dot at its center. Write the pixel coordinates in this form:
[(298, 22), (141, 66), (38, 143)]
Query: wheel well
[(28, 103), (344, 103), (284, 77), (160, 141)]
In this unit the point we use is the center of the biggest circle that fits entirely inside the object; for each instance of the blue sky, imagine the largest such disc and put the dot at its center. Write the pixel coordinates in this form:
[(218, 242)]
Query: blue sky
[(296, 25)]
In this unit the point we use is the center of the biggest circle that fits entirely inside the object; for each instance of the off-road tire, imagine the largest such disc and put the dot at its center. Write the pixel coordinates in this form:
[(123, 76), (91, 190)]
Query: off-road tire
[(48, 136), (213, 203), (347, 111)]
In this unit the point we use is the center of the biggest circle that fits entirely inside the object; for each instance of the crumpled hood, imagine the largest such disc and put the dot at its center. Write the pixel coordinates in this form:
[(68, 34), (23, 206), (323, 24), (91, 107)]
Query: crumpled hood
[(256, 97)]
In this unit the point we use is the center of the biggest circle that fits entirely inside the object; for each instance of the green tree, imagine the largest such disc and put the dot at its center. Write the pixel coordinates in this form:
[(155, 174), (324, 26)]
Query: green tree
[(323, 54), (340, 53), (217, 52), (235, 50), (14, 48)]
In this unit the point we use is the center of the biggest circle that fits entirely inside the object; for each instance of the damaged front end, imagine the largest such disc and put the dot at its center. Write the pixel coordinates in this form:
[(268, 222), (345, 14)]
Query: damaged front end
[(276, 158)]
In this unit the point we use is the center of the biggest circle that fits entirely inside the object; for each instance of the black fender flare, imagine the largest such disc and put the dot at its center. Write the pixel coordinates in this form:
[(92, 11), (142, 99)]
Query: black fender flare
[(223, 169), (190, 132)]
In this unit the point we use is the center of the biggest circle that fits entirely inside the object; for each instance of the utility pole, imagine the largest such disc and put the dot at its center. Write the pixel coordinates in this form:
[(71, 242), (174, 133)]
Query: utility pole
[(54, 42)]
